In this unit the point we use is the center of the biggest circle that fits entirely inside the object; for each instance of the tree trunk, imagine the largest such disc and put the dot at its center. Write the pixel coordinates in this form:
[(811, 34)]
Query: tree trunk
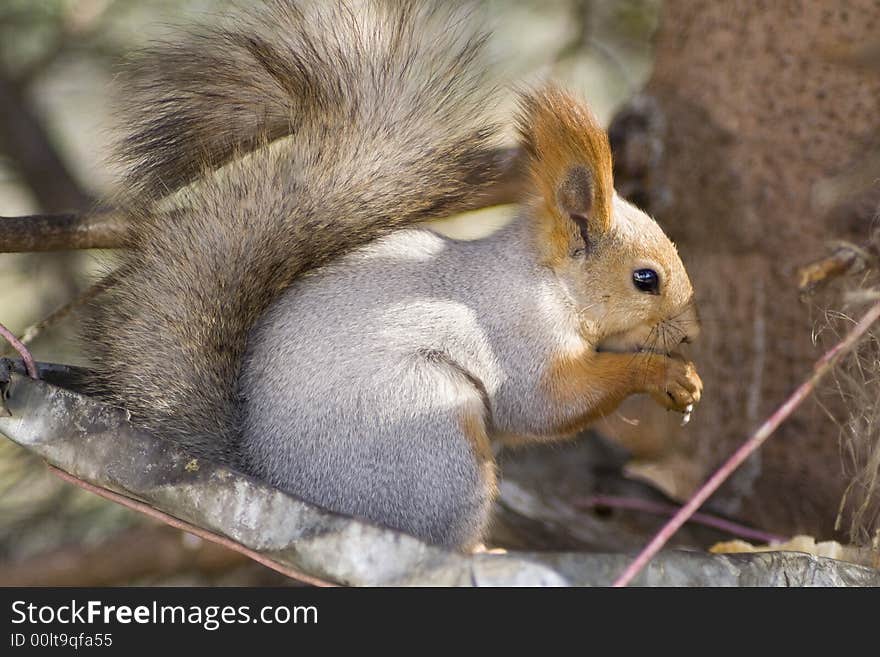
[(754, 143)]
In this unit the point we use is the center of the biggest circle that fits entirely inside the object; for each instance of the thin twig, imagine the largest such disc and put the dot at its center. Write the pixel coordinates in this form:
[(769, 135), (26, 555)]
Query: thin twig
[(822, 367), (187, 527), (29, 362), (659, 509), (34, 330)]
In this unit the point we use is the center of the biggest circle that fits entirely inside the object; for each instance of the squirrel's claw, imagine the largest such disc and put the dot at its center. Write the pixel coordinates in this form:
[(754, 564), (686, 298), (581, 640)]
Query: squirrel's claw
[(687, 414), (679, 388)]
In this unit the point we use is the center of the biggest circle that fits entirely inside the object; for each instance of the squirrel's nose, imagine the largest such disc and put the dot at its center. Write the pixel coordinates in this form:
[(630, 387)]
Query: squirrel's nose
[(689, 323)]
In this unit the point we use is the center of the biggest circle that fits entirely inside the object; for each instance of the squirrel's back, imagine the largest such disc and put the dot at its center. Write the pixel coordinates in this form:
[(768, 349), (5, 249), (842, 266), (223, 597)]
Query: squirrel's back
[(292, 136)]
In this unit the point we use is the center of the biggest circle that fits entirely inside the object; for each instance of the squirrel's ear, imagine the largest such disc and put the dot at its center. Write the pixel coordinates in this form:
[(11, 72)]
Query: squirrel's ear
[(575, 199), (570, 165)]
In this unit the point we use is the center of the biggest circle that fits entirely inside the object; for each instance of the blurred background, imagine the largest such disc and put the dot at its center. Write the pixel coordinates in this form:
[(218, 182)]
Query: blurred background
[(750, 130)]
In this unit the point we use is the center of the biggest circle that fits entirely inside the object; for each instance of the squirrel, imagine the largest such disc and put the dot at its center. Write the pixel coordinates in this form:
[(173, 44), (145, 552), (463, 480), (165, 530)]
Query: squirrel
[(281, 308)]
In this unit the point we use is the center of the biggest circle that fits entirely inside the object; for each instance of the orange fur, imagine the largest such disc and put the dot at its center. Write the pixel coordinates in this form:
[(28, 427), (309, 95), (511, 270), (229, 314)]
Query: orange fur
[(593, 385), (558, 133)]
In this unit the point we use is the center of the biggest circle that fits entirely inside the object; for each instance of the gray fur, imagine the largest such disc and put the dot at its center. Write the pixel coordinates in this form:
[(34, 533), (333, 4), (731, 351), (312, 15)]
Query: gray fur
[(357, 377), (266, 316), (385, 106)]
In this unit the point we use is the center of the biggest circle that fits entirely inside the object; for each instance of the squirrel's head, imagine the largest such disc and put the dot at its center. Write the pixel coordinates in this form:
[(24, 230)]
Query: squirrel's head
[(629, 286)]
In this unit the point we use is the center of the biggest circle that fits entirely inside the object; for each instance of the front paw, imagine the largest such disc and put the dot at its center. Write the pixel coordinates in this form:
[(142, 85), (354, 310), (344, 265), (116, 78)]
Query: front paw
[(678, 387)]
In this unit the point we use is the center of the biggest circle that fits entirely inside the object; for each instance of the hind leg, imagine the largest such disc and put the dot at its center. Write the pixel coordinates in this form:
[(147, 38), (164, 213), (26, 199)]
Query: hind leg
[(439, 476), (407, 449), (444, 482)]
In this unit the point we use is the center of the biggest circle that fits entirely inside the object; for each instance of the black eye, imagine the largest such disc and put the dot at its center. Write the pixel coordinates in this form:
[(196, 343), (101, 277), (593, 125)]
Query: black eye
[(646, 280)]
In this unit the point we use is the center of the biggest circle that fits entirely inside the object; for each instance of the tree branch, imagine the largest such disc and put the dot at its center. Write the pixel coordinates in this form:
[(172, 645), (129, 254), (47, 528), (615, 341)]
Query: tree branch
[(844, 258), (56, 232), (107, 229), (107, 455)]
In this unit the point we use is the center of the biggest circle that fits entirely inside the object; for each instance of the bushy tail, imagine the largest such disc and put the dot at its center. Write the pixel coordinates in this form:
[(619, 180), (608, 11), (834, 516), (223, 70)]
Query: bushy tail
[(300, 133)]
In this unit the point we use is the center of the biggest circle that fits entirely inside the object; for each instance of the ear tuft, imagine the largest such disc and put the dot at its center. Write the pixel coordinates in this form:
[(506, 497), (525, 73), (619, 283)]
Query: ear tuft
[(570, 164)]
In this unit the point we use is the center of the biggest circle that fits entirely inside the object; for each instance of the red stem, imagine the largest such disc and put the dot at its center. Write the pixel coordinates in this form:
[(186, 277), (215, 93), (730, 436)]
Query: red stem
[(657, 508), (191, 529), (822, 367), (29, 364)]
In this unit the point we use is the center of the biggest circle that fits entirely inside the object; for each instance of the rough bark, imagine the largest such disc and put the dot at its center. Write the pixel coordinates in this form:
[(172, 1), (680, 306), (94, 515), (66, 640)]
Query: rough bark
[(754, 143)]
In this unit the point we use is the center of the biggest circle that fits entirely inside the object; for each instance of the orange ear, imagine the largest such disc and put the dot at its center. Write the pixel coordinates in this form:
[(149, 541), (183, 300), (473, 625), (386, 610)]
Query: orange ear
[(570, 166)]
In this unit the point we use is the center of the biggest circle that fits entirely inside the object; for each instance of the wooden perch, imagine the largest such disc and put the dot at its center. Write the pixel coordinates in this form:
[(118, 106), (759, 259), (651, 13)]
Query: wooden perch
[(101, 452)]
